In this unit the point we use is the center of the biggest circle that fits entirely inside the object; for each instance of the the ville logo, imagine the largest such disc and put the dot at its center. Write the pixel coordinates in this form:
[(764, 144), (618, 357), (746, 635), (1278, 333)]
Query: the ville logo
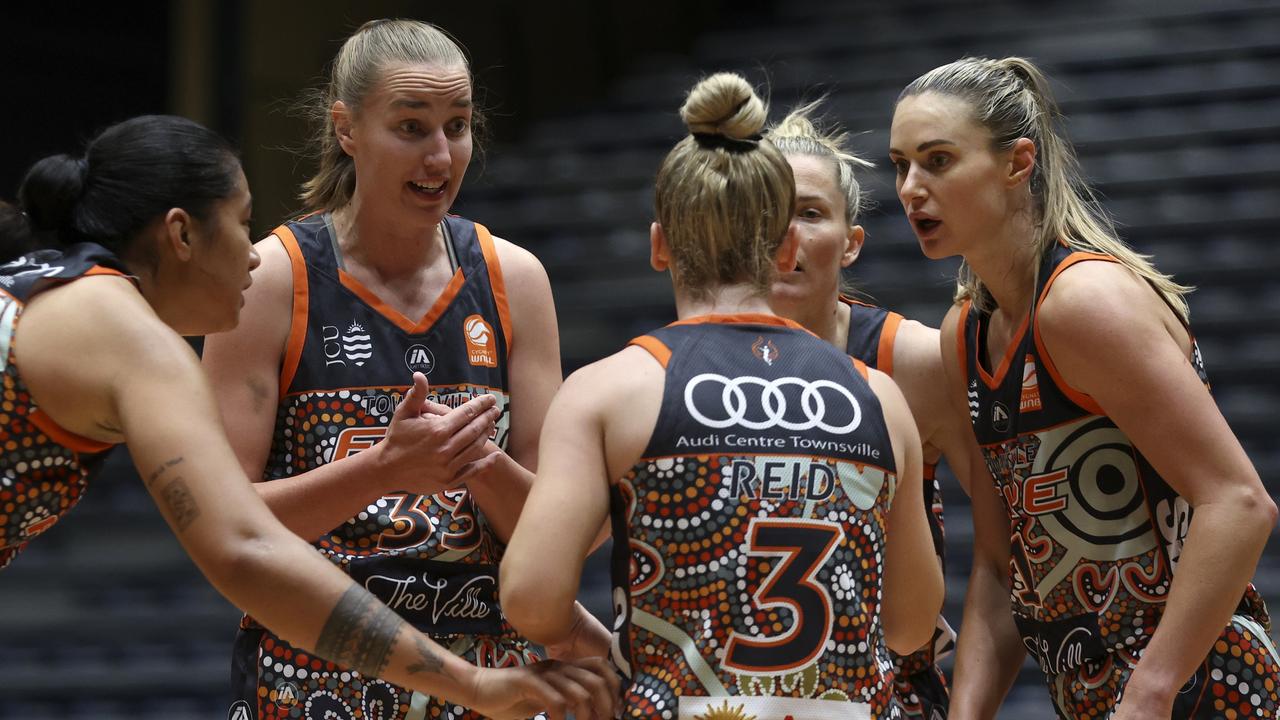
[(764, 350), (731, 405), (353, 345), (419, 359), (1030, 387), (482, 349)]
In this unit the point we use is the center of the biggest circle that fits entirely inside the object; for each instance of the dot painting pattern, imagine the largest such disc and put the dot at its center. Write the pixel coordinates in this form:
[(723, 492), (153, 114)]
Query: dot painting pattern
[(701, 584), (40, 480), (314, 428)]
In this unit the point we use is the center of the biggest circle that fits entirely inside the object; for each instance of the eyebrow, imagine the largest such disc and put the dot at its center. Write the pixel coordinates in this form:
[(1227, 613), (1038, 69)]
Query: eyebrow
[(415, 104), (810, 198), (924, 146)]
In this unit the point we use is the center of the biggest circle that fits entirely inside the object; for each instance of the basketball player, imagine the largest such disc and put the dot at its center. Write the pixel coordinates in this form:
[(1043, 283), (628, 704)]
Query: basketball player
[(376, 293), (828, 199), (1126, 520), (146, 237), (769, 528)]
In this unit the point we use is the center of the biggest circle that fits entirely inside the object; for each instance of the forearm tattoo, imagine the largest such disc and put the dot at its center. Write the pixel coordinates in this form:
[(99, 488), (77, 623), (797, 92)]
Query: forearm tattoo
[(180, 504), (429, 661), (359, 633), (164, 467)]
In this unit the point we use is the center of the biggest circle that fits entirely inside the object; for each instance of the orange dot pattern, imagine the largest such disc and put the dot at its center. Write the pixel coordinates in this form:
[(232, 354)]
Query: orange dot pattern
[(1238, 680), (40, 480), (692, 567), (405, 526)]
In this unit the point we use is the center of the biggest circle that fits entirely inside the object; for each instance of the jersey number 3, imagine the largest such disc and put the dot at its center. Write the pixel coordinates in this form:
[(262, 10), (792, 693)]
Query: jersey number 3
[(803, 547)]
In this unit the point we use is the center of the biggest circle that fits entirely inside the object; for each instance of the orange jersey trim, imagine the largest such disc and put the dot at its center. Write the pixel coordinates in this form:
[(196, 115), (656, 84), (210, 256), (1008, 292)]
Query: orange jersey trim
[(929, 470), (656, 348), (496, 281), (437, 308), (993, 380), (366, 388), (65, 437), (1077, 397), (861, 368), (961, 322), (301, 301), (888, 334)]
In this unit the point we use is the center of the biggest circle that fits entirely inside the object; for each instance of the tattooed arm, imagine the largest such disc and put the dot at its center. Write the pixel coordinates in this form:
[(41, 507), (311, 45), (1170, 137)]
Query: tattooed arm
[(145, 384)]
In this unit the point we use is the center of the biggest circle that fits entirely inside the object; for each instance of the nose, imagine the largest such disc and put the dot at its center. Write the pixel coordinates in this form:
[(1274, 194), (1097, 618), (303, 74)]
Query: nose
[(436, 152), (911, 188), (254, 258)]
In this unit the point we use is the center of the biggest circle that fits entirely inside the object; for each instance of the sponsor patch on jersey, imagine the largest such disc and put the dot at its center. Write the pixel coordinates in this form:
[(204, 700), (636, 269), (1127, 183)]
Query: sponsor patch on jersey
[(999, 417), (1030, 400), (419, 359), (240, 711), (482, 349), (764, 350), (353, 345), (438, 598)]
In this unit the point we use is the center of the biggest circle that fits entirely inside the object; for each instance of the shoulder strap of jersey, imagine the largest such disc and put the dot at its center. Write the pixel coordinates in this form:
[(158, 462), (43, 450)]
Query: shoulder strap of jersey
[(654, 347), (497, 283), (1063, 261), (301, 306)]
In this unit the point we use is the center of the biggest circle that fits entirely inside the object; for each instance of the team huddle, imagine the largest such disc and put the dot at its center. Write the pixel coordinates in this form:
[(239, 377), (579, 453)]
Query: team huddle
[(377, 459)]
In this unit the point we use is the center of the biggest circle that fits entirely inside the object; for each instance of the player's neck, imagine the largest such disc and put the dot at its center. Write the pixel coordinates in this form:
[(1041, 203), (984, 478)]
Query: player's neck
[(725, 300)]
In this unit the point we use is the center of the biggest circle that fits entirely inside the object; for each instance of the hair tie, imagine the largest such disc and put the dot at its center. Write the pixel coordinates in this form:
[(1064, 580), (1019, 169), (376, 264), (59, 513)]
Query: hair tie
[(710, 141)]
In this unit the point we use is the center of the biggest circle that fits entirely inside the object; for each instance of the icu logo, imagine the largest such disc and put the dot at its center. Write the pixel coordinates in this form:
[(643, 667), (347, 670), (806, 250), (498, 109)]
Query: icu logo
[(340, 347), (481, 348), (765, 350), (1030, 399), (419, 359), (240, 711)]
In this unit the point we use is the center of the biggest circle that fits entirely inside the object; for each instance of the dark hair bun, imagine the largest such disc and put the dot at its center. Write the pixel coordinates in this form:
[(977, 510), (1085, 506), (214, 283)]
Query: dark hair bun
[(50, 191)]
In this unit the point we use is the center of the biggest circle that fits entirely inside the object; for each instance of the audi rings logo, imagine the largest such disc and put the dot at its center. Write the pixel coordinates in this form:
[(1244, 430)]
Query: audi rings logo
[(773, 401)]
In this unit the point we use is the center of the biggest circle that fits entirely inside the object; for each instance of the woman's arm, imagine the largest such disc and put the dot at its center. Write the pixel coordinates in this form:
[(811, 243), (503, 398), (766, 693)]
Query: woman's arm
[(917, 368), (597, 427), (1113, 339), (913, 587), (420, 453), (989, 651), (146, 383), (534, 372)]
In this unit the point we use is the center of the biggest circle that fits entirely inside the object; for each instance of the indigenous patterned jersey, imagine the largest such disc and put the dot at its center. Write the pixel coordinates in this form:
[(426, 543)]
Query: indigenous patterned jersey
[(349, 361), (750, 587), (44, 468), (1095, 532), (920, 685)]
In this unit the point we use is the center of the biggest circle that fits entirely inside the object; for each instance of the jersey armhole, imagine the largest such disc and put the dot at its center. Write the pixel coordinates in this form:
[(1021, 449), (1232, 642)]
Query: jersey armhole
[(1076, 396), (888, 336), (301, 301), (860, 368), (654, 347), (496, 281)]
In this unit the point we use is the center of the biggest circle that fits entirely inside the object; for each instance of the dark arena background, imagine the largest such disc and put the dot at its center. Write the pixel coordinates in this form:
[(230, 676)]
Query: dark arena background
[(1174, 106)]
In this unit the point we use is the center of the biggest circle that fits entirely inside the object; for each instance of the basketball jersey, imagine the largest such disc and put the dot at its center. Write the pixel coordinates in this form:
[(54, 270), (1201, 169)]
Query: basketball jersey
[(872, 333), (1095, 532), (44, 468), (749, 537), (348, 363)]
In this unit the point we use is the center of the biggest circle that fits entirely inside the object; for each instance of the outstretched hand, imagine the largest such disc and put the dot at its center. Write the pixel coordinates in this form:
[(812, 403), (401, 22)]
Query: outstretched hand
[(589, 689), (428, 444)]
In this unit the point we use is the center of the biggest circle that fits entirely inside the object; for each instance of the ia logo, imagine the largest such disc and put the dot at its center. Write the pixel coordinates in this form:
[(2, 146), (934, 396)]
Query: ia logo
[(240, 711)]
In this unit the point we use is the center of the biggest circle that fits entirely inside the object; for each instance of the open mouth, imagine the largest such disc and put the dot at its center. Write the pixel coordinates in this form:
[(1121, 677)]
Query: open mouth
[(926, 225), (429, 188)]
